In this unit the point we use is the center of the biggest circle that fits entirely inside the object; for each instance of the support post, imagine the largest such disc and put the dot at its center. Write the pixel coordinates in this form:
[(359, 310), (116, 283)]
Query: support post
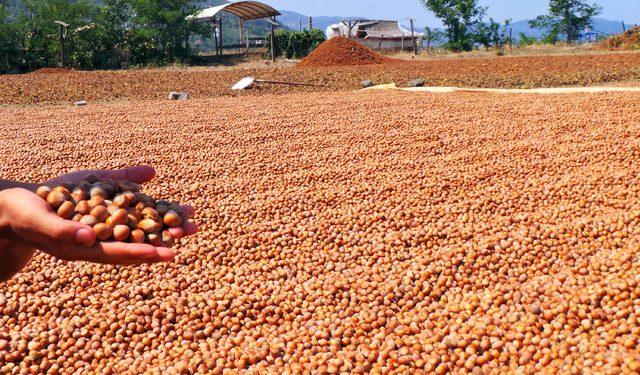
[(428, 41), (241, 33), (273, 37), (61, 46), (215, 36), (510, 40), (402, 45), (220, 31), (624, 27), (310, 23), (300, 24), (413, 38), (380, 43)]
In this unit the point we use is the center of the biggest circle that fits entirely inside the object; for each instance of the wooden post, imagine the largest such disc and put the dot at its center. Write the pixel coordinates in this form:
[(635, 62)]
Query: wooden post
[(215, 35), (273, 37), (402, 45), (428, 40), (241, 33), (220, 30), (310, 23), (380, 43), (510, 40), (61, 46), (413, 38)]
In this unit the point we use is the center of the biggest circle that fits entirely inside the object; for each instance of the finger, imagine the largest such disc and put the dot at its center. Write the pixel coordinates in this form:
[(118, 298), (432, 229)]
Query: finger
[(190, 228), (138, 174), (176, 232), (187, 211), (46, 229), (121, 253)]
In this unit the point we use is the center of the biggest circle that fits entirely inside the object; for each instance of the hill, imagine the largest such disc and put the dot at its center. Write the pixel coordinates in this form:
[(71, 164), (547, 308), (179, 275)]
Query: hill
[(292, 20), (599, 24)]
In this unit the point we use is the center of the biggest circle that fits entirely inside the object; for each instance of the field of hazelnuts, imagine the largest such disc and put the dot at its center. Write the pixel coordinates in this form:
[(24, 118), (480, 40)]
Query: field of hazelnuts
[(55, 86), (340, 232)]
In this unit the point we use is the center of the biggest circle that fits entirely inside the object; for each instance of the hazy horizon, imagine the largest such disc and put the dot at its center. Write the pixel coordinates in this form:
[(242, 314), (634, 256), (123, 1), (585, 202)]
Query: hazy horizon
[(500, 10)]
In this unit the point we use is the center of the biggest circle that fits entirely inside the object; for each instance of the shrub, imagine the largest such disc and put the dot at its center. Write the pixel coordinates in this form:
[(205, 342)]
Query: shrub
[(296, 44)]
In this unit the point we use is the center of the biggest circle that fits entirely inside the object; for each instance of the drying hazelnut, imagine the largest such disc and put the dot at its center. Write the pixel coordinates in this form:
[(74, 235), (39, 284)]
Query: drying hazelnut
[(100, 213), (121, 201), (148, 226), (55, 199), (119, 217), (172, 219), (43, 192), (83, 208), (121, 233), (89, 220), (66, 210), (103, 231), (137, 236)]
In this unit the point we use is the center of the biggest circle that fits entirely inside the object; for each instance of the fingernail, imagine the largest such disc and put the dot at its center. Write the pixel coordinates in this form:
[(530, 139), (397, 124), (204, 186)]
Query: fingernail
[(166, 254), (85, 237)]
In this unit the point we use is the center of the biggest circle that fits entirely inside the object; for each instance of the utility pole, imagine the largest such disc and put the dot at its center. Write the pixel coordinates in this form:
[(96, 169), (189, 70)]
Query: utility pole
[(510, 40), (273, 37), (413, 38), (63, 36), (310, 23), (241, 33), (215, 35), (428, 41), (220, 32)]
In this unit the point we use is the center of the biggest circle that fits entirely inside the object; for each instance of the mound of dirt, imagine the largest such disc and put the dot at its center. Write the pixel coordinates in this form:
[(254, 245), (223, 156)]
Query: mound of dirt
[(52, 71), (341, 51), (628, 40)]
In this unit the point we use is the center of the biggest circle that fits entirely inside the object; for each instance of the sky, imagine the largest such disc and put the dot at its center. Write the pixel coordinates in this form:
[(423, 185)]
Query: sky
[(517, 10)]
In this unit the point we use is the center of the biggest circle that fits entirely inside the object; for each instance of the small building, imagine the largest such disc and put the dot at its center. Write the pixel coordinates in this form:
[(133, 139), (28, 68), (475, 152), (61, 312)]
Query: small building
[(375, 34)]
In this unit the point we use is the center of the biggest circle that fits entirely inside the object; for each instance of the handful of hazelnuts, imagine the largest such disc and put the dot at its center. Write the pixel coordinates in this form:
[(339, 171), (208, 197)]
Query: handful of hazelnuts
[(116, 210)]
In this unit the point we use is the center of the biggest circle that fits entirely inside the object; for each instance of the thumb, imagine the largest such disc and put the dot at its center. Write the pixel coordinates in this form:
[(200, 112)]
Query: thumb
[(55, 229)]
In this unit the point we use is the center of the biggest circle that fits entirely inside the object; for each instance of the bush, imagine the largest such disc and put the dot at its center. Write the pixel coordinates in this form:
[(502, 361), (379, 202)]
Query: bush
[(10, 59), (525, 40), (296, 44)]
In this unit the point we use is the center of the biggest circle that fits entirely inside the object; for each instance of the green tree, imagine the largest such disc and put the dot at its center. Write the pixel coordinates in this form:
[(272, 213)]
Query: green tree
[(525, 40), (108, 37), (566, 17), (10, 53), (492, 34), (160, 32), (462, 20), (41, 43)]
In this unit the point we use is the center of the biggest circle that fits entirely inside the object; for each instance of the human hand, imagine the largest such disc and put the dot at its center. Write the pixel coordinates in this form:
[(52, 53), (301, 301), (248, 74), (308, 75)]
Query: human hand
[(27, 219)]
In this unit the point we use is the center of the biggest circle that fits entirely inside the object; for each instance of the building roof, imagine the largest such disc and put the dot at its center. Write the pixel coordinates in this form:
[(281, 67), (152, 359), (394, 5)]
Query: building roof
[(247, 10)]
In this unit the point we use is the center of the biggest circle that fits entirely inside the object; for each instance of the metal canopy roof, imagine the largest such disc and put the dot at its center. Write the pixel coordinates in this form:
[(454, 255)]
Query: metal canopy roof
[(247, 10)]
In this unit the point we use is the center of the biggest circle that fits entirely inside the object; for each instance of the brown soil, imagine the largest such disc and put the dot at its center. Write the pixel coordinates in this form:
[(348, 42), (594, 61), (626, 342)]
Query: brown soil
[(341, 51)]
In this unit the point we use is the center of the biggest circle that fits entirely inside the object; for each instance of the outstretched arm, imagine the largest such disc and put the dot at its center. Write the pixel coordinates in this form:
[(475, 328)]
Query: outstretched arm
[(27, 223)]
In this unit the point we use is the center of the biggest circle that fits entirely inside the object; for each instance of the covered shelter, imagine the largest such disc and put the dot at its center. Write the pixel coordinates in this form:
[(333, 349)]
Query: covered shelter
[(245, 10)]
